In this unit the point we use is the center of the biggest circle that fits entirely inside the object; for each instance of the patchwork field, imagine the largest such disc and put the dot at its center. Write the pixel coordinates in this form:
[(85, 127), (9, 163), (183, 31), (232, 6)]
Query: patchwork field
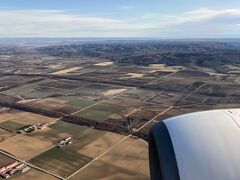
[(96, 90), (33, 174), (163, 68), (132, 154), (101, 112), (100, 145), (60, 161), (102, 170), (62, 84), (140, 94), (75, 131), (80, 103), (50, 103), (87, 137), (113, 92), (8, 82), (50, 135), (24, 118), (5, 160), (25, 147), (54, 104), (133, 75), (5, 135), (35, 91), (124, 161), (11, 125), (99, 94), (65, 71), (106, 63)]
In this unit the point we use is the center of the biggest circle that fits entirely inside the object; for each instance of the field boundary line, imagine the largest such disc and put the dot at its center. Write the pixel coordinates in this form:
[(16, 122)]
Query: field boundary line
[(115, 145), (31, 165), (99, 102)]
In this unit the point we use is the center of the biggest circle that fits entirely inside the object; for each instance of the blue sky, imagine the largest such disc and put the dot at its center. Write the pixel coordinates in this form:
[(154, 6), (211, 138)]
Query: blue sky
[(122, 18)]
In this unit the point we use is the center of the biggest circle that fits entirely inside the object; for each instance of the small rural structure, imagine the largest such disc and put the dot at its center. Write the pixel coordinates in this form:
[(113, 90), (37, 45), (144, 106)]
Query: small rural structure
[(33, 128), (64, 142), (10, 169)]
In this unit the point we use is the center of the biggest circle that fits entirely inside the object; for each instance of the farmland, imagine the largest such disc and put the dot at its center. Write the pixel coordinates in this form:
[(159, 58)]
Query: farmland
[(34, 174), (5, 135), (5, 160), (20, 144), (105, 97), (101, 111), (61, 161), (11, 126)]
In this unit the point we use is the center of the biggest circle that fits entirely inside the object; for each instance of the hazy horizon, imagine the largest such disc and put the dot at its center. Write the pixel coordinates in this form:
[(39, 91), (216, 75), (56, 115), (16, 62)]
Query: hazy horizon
[(43, 41)]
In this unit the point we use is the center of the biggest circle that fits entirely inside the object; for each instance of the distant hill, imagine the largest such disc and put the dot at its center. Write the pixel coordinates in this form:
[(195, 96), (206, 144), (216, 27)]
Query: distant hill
[(220, 55), (217, 55)]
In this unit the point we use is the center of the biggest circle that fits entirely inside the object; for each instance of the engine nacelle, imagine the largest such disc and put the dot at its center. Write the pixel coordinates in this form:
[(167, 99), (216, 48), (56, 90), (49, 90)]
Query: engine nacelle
[(197, 146)]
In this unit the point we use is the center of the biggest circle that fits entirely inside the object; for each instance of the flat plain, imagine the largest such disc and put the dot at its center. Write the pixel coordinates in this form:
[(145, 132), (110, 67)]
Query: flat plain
[(20, 144), (100, 93)]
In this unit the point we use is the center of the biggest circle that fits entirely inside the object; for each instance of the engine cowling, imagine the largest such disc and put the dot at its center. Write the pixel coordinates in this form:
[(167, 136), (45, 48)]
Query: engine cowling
[(200, 146)]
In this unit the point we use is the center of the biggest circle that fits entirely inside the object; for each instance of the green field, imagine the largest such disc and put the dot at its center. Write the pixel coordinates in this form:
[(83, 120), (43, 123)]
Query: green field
[(103, 86), (113, 108), (81, 103), (61, 161), (92, 89), (11, 125), (67, 98), (86, 138), (73, 129), (99, 86), (84, 90), (94, 115), (18, 79), (34, 91), (140, 94), (101, 111), (82, 135)]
